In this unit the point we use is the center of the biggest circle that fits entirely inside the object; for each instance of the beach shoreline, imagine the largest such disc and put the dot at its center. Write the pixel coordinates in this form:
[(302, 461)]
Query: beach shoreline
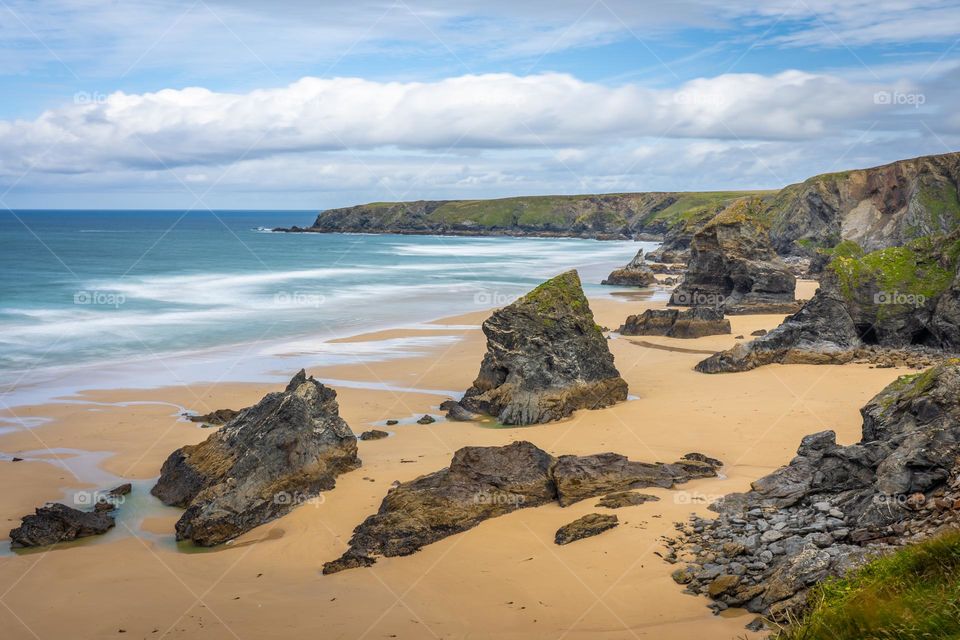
[(504, 578)]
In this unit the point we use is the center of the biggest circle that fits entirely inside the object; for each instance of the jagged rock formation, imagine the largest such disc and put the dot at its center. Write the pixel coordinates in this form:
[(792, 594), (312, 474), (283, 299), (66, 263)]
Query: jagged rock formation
[(635, 274), (695, 322), (833, 504), (486, 482), (284, 450), (894, 298), (733, 266), (546, 358), (589, 525), (54, 523)]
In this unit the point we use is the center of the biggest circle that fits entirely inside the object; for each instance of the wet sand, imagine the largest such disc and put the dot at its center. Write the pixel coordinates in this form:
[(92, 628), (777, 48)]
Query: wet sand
[(503, 579)]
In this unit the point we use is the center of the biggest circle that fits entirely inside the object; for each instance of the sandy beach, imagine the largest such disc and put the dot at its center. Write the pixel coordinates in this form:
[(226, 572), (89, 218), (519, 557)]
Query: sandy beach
[(505, 578)]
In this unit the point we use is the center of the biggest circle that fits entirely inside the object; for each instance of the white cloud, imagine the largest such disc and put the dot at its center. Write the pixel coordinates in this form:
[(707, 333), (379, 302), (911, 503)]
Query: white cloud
[(197, 127)]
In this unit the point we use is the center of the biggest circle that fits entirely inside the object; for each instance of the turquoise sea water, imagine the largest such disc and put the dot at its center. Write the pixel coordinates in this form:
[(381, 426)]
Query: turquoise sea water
[(140, 298)]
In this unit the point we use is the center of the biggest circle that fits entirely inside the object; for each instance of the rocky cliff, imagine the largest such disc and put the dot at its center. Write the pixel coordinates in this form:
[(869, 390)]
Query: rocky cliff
[(546, 357), (269, 459), (877, 207), (832, 504), (894, 298)]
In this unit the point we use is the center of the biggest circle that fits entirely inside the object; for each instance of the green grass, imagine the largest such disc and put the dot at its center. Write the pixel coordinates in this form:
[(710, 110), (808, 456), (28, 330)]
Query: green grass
[(917, 268), (941, 204), (911, 594)]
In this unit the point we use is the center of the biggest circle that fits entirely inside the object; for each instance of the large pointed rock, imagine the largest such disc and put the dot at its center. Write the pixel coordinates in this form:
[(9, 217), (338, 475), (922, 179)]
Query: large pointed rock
[(546, 358), (284, 450)]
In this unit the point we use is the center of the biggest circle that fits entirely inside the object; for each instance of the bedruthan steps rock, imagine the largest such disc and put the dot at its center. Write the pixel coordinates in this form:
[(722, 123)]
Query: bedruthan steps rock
[(284, 450), (734, 267), (636, 273), (695, 322), (546, 358), (896, 298), (486, 482), (834, 505)]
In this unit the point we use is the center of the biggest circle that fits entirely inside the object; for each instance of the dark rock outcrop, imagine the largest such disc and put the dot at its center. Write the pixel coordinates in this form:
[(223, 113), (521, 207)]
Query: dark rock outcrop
[(486, 482), (581, 477), (286, 449), (589, 525), (733, 266), (625, 499), (695, 322), (546, 358), (55, 523), (833, 505), (373, 434), (893, 298), (217, 417), (457, 413), (635, 274)]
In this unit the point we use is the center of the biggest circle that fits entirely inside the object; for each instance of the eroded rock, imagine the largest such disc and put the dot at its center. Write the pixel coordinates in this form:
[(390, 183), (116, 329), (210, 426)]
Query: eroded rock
[(635, 274), (486, 482), (589, 525), (546, 358), (284, 450), (695, 322), (55, 523)]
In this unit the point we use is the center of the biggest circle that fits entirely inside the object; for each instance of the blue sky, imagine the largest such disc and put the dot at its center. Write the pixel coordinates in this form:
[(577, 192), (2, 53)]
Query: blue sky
[(223, 104)]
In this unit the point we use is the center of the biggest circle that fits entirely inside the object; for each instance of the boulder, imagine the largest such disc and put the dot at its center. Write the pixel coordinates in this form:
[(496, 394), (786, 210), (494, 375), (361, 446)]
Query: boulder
[(695, 322), (635, 274), (284, 450), (546, 358), (54, 523), (589, 525), (457, 413), (486, 482), (733, 266), (373, 434)]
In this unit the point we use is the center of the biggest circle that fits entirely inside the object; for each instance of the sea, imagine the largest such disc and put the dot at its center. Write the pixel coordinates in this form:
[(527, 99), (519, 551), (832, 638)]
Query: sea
[(139, 299)]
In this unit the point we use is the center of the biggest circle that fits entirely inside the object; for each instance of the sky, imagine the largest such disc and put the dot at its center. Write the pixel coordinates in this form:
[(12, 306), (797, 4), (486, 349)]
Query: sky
[(317, 104)]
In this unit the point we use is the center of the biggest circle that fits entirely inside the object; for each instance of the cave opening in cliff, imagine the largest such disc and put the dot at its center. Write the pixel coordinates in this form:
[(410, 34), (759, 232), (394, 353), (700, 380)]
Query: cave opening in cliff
[(867, 333)]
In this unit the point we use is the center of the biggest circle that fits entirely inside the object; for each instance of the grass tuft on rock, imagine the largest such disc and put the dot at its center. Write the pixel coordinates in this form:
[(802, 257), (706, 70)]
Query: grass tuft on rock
[(910, 594)]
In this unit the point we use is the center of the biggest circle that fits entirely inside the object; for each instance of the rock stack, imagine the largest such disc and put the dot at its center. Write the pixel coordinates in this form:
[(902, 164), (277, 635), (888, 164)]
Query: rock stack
[(546, 357)]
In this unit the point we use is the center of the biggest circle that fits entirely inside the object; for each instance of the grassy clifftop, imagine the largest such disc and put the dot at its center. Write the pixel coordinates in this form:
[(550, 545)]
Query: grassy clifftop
[(878, 207), (607, 215)]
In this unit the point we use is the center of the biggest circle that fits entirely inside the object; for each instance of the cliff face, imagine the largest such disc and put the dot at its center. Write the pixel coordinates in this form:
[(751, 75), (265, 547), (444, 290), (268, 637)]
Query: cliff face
[(878, 207)]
